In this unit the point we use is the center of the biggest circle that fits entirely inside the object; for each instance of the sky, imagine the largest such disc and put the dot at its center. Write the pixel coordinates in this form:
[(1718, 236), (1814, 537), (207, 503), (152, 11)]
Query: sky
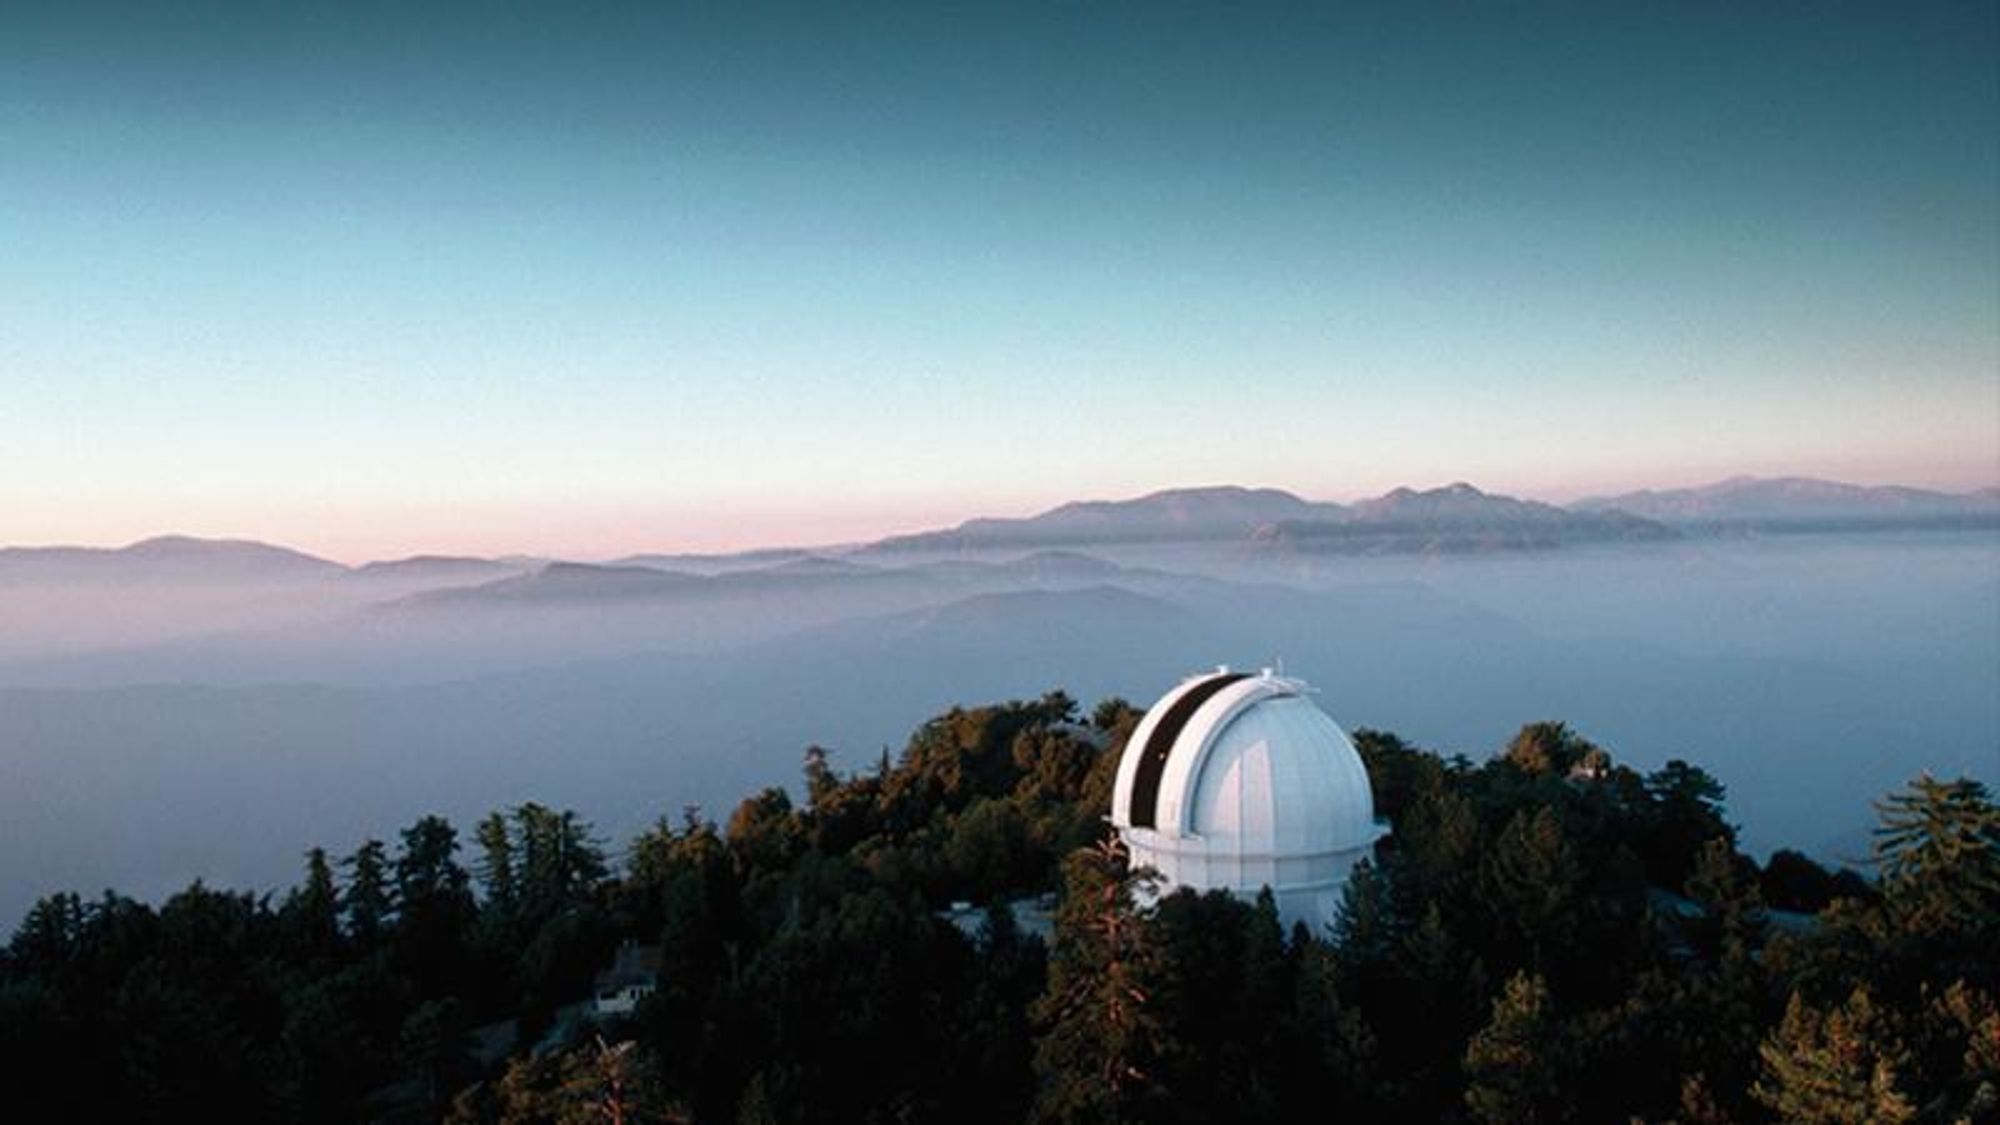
[(596, 278)]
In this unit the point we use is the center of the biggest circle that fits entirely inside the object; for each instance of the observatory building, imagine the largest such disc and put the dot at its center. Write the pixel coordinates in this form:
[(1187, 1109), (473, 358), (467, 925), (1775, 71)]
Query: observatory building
[(1238, 782)]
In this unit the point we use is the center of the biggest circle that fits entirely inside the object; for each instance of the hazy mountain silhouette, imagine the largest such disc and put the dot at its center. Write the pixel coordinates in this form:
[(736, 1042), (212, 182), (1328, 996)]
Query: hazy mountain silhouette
[(803, 575), (423, 570), (166, 558), (566, 581), (1455, 519), (1803, 500), (700, 563), (1174, 515)]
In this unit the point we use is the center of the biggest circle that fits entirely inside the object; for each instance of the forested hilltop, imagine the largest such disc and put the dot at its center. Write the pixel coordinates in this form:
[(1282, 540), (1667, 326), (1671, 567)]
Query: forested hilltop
[(1546, 936)]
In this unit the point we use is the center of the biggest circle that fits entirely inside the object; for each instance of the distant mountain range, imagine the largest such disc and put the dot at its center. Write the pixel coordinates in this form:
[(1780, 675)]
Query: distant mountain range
[(168, 557), (1803, 502), (717, 563), (183, 560), (440, 568), (1181, 515), (1460, 518), (1454, 519), (920, 582)]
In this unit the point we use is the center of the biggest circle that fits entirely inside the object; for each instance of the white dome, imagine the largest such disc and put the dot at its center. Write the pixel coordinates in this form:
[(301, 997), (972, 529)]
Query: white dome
[(1239, 782)]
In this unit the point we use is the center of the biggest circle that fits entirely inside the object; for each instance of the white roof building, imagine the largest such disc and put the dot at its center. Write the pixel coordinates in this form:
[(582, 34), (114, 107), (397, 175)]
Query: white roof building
[(1238, 782), (633, 975)]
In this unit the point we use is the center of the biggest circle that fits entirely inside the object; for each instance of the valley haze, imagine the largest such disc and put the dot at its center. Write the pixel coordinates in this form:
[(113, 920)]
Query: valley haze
[(186, 708)]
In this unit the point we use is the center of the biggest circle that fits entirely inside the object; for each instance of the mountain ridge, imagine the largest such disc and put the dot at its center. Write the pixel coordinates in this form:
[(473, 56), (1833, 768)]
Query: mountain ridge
[(1261, 518), (1203, 513), (1794, 499), (1206, 513), (164, 556), (1457, 518)]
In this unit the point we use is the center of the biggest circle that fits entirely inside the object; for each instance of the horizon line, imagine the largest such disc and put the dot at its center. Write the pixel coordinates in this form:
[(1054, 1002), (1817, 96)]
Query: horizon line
[(357, 561)]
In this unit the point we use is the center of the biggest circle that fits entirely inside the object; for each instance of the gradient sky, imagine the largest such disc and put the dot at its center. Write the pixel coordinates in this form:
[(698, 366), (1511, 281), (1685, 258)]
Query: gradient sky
[(593, 278)]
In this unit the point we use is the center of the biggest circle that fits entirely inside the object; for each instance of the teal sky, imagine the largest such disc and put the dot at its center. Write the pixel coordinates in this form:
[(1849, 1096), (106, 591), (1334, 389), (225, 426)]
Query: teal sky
[(595, 278)]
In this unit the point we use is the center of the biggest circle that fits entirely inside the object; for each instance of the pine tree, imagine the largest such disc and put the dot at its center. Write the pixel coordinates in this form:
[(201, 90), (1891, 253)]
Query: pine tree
[(1939, 851), (1958, 1036), (1512, 1066), (1685, 812), (821, 781), (427, 867), (1840, 1067), (435, 910), (497, 877), (1100, 1033), (1546, 748), (1336, 1047), (49, 935), (312, 910), (1531, 883), (366, 904), (1733, 909), (557, 861), (431, 1042)]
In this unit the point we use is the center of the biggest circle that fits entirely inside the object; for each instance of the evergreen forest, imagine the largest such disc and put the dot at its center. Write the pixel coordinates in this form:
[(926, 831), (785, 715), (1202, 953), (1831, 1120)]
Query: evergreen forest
[(1546, 935)]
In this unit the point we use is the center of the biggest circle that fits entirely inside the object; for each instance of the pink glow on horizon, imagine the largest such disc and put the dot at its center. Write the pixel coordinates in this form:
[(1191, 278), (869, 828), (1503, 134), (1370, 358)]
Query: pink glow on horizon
[(353, 533)]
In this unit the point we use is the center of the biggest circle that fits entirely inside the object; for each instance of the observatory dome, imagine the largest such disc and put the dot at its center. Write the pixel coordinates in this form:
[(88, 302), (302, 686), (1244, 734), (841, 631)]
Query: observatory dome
[(1238, 782)]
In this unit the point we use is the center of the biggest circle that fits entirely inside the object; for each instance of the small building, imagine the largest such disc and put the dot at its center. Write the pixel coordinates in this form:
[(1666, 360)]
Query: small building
[(633, 975), (1034, 916), (1239, 782)]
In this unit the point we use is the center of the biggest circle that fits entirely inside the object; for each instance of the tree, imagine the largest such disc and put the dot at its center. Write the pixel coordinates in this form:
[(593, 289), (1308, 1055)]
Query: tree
[(806, 973), (1839, 1067), (1792, 881), (1531, 880), (1686, 813), (1513, 1066), (821, 781), (988, 850), (1334, 1049), (1725, 885), (1395, 770), (613, 1083), (1113, 715), (1546, 749), (1053, 764), (1220, 998), (558, 861), (1955, 1043), (593, 1083), (764, 832), (366, 904), (498, 877), (1100, 1033), (49, 935), (427, 867), (312, 911), (432, 1043), (1939, 852), (435, 907)]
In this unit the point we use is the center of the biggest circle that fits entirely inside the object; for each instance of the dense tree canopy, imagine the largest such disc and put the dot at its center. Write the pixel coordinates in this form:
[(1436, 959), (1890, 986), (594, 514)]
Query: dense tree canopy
[(1546, 935)]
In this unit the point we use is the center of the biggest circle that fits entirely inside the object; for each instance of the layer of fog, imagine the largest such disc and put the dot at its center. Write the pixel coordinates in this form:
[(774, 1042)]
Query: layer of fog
[(153, 736)]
